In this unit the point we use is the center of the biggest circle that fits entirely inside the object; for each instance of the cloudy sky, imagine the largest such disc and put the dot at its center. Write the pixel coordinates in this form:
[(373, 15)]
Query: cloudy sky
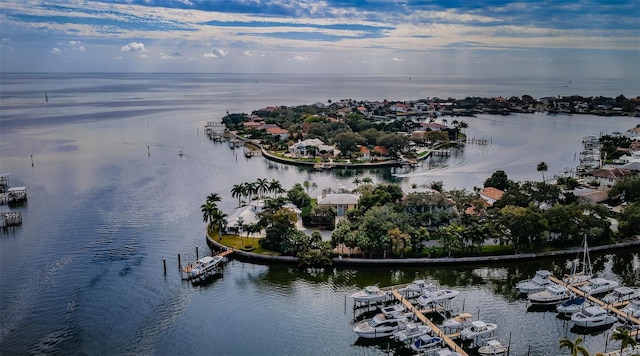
[(596, 38)]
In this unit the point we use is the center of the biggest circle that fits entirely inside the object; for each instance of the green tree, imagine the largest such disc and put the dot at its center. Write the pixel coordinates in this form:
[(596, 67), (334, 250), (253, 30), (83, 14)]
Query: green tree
[(375, 224), (400, 242), (346, 142), (627, 189), (275, 187), (262, 186), (498, 180), (542, 167), (219, 221), (629, 221), (208, 212), (575, 347), (238, 191), (623, 335), (214, 198), (298, 196)]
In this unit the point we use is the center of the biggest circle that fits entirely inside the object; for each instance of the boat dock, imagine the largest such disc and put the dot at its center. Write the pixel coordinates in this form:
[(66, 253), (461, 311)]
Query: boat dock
[(10, 218), (610, 307), (447, 340)]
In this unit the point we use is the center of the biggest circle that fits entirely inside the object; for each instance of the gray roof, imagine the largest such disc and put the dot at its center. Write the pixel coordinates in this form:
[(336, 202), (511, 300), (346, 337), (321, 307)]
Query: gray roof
[(339, 199)]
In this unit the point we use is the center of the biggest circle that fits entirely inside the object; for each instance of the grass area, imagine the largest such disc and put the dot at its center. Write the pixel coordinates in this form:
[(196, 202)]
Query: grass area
[(423, 153), (496, 250), (250, 243)]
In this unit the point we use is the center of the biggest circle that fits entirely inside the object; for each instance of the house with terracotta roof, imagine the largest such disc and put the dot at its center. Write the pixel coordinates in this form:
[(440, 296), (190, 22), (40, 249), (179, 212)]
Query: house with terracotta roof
[(491, 194), (365, 153), (282, 134), (608, 176), (433, 126)]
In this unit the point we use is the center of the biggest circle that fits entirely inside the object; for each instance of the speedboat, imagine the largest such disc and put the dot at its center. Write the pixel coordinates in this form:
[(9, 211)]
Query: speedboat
[(633, 308), (598, 286), (370, 294), (572, 305), (592, 317), (383, 324), (551, 295), (535, 284), (204, 267), (492, 348), (412, 331), (476, 329), (458, 322), (431, 297), (425, 342), (419, 286), (621, 294)]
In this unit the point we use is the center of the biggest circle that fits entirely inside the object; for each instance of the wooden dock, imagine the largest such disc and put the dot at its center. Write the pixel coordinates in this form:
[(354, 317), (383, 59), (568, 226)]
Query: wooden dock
[(611, 307), (429, 323), (225, 252)]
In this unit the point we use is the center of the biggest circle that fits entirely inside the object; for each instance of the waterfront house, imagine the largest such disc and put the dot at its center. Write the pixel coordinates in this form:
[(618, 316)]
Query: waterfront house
[(340, 201), (280, 133), (300, 148), (433, 126), (608, 176), (491, 194)]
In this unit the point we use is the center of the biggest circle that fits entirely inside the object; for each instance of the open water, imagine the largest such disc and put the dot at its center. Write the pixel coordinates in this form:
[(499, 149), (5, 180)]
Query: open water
[(109, 198)]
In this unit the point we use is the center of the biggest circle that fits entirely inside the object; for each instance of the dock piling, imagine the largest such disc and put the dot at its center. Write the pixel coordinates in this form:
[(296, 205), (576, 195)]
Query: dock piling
[(179, 264), (196, 252), (164, 265)]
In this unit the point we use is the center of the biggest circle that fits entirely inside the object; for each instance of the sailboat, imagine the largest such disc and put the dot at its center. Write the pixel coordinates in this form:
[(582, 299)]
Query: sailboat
[(587, 269)]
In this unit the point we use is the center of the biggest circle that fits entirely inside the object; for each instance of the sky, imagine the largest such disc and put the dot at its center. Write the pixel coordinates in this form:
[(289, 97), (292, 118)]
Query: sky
[(595, 38)]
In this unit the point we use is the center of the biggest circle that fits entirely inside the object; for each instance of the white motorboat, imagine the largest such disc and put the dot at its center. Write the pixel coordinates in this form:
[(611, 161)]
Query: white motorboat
[(572, 305), (435, 296), (426, 342), (384, 324), (621, 294), (203, 268), (419, 286), (476, 329), (599, 286), (493, 348), (412, 331), (458, 322), (633, 308), (371, 294), (551, 295), (538, 283), (592, 317)]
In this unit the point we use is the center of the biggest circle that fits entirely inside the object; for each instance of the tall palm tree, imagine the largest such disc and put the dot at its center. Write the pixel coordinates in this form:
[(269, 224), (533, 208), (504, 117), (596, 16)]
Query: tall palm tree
[(262, 185), (356, 181), (306, 184), (575, 347), (542, 167), (214, 197), (208, 212), (275, 187), (463, 125), (238, 191), (219, 220), (367, 180), (622, 334), (250, 189)]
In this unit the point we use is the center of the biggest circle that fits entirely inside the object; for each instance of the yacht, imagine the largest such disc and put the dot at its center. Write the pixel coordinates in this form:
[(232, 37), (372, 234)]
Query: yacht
[(592, 317), (551, 295), (633, 308), (476, 329), (535, 284), (204, 268), (598, 286), (572, 305), (586, 270), (412, 331), (426, 342), (458, 322), (621, 294), (493, 348), (419, 286), (429, 298), (384, 324), (370, 294)]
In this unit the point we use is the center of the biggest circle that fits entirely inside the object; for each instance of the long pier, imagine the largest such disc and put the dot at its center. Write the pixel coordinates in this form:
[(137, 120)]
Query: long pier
[(611, 307), (428, 322)]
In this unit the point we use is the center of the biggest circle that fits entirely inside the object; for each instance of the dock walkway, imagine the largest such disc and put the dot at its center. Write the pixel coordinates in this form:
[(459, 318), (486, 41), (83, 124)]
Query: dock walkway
[(429, 323)]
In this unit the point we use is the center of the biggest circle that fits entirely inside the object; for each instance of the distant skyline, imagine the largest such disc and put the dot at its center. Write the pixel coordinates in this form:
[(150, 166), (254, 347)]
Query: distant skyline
[(538, 39)]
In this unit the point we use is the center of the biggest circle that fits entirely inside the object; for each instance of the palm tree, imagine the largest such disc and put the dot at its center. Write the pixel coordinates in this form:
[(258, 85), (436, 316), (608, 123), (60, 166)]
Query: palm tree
[(463, 125), (306, 184), (214, 198), (219, 220), (314, 186), (574, 347), (367, 180), (275, 187), (249, 190), (542, 167), (208, 212), (262, 186), (238, 191), (356, 181), (622, 334)]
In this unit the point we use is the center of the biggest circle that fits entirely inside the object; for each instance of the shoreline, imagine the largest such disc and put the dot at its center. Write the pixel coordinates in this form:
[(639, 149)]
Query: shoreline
[(426, 261)]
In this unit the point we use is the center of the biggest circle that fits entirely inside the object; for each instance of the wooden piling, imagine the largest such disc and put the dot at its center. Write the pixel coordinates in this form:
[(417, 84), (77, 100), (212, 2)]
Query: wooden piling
[(179, 264), (164, 265), (196, 252)]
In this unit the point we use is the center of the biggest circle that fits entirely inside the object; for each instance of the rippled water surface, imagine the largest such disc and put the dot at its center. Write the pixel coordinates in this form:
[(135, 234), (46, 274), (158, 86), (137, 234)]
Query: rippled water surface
[(109, 198)]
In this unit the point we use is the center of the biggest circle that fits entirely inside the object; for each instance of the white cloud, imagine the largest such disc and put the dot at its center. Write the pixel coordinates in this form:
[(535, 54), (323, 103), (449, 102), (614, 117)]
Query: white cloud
[(143, 56), (172, 55), (133, 47), (77, 46), (396, 59), (56, 50), (215, 53), (301, 58)]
